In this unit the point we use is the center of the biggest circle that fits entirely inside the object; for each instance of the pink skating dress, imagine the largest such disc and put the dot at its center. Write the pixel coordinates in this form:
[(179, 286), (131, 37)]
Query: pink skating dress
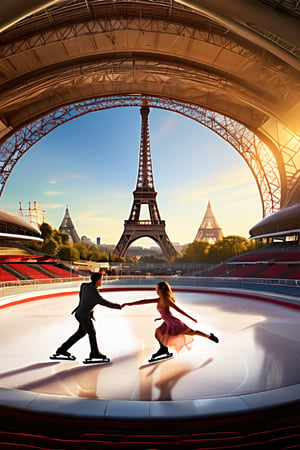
[(170, 332)]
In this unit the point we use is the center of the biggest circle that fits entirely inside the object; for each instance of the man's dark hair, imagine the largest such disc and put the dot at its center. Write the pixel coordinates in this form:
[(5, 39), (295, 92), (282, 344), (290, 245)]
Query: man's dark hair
[(96, 276)]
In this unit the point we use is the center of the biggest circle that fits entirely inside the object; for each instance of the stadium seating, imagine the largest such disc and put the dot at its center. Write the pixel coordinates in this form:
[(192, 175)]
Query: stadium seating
[(288, 256), (58, 271), (29, 271), (275, 438), (273, 271), (7, 276), (258, 256), (269, 264), (219, 271), (294, 274), (247, 270), (13, 268)]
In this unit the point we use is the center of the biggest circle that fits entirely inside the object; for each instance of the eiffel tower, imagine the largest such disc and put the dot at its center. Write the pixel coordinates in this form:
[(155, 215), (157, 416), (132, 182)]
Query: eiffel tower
[(67, 226), (145, 194), (209, 229)]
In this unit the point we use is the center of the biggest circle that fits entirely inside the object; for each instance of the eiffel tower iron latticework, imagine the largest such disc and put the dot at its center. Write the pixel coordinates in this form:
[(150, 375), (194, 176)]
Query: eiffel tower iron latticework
[(145, 194), (67, 226), (209, 229)]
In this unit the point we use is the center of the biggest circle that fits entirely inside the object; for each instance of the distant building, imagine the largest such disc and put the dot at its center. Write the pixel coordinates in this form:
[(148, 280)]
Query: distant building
[(67, 226), (209, 229), (155, 249), (86, 240), (98, 241), (107, 248)]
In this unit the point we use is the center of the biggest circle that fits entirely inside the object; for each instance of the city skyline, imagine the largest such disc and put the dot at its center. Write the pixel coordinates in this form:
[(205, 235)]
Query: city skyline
[(90, 164)]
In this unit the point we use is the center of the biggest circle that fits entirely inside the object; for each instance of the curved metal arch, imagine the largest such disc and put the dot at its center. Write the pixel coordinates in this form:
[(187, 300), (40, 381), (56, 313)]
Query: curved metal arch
[(253, 150)]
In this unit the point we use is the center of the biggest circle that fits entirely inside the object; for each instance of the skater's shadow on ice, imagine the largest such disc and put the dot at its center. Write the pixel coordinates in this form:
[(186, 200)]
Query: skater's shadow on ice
[(155, 365), (68, 373), (168, 376), (30, 368), (62, 376), (166, 385), (208, 361)]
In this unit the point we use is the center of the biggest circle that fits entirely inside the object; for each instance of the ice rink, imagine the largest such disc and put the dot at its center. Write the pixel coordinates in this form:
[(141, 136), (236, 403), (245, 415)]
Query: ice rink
[(259, 349)]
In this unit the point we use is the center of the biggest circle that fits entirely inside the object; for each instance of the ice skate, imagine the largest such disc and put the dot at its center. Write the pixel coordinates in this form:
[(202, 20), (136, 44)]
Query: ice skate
[(63, 356), (96, 358), (160, 355), (214, 338)]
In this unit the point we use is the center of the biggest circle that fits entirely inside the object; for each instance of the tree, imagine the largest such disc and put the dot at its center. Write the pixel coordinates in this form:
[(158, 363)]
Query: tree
[(153, 259), (68, 253), (196, 252), (95, 254), (46, 230), (50, 246), (227, 247), (82, 249), (61, 237)]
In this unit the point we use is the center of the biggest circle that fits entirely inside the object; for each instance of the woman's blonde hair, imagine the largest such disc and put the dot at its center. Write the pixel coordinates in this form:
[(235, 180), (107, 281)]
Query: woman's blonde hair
[(166, 290)]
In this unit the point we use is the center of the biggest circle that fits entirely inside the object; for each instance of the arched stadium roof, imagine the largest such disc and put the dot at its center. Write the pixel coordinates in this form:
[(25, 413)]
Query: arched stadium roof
[(16, 229), (236, 58), (285, 222)]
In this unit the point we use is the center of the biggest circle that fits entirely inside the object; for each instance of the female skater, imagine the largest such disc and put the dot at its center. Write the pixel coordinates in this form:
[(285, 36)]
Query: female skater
[(172, 332)]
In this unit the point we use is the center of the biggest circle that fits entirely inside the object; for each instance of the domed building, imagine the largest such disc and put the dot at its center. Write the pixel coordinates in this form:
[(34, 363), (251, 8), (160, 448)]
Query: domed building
[(16, 230)]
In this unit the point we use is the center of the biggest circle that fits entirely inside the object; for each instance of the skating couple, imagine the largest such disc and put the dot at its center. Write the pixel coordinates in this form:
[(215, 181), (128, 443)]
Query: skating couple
[(171, 333)]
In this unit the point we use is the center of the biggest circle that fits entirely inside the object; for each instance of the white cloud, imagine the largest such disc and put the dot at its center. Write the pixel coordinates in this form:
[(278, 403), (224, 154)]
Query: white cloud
[(51, 193), (235, 181), (53, 205), (91, 214), (66, 176), (164, 129)]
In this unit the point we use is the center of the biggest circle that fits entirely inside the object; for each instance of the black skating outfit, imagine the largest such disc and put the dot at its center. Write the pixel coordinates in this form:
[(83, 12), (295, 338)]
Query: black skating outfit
[(89, 297)]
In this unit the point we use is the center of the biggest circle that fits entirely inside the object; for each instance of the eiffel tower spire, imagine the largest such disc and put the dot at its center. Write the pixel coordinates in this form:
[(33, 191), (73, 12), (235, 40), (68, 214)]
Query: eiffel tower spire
[(209, 229), (145, 194), (145, 175), (67, 226)]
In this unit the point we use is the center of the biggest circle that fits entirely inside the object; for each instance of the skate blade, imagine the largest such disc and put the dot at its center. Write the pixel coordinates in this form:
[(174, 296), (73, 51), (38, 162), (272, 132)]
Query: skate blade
[(160, 358), (63, 358), (96, 361)]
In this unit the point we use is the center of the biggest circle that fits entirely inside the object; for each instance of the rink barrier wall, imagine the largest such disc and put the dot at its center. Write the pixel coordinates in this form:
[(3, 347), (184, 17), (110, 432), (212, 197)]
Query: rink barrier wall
[(279, 299)]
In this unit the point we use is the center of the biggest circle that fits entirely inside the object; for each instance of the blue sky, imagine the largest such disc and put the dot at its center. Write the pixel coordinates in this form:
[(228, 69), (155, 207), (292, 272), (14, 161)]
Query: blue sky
[(90, 164)]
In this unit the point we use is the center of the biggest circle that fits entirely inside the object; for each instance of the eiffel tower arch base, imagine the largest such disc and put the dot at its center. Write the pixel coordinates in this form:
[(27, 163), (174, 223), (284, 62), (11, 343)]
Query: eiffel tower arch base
[(133, 231)]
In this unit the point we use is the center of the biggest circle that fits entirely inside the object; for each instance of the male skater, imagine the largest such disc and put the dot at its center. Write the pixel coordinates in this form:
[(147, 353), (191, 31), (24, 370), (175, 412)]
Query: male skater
[(89, 297)]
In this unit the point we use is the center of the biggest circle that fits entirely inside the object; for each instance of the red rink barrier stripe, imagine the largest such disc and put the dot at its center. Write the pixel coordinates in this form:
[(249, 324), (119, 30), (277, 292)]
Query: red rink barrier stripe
[(287, 302)]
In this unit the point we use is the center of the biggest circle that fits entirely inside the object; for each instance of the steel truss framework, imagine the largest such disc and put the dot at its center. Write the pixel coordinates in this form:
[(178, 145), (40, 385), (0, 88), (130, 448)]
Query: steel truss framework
[(253, 150), (108, 26), (243, 66)]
